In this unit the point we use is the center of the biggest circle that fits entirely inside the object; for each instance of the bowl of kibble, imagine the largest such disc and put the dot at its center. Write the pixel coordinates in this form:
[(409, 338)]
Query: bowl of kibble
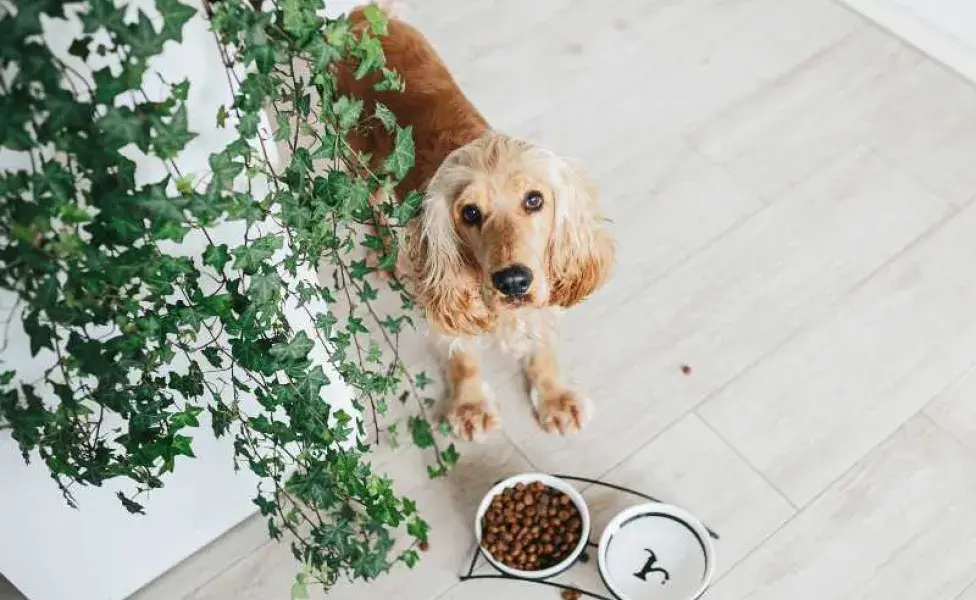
[(532, 525)]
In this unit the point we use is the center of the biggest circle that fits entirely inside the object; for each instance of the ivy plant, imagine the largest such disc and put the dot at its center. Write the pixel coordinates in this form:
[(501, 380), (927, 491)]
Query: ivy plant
[(144, 344)]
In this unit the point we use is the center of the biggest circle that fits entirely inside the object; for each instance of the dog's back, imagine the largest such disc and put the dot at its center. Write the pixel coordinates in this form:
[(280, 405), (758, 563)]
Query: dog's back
[(442, 118)]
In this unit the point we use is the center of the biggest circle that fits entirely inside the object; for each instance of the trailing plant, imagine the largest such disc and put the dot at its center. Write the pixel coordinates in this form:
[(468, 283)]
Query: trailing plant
[(143, 342)]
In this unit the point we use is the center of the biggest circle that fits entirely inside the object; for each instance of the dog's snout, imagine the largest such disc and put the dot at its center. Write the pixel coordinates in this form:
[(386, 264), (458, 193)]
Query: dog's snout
[(513, 281)]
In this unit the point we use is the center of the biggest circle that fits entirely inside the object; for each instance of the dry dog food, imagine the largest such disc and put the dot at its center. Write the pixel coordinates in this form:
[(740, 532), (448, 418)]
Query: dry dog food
[(531, 527)]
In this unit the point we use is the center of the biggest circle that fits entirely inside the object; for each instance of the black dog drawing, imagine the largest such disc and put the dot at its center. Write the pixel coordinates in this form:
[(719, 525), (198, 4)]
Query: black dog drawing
[(649, 568)]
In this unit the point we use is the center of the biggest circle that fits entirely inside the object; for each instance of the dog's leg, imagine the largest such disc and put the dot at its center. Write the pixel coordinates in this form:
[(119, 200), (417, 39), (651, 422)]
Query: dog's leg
[(472, 412), (558, 409)]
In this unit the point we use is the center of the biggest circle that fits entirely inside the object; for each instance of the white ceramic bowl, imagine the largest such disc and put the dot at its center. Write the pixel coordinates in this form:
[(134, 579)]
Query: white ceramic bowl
[(656, 552), (553, 482)]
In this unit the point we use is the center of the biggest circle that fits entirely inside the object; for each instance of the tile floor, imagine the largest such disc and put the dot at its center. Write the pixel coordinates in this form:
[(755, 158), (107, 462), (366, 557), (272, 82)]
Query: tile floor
[(792, 194)]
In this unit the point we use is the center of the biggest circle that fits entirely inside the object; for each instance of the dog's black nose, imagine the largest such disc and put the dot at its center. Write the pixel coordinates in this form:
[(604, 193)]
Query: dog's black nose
[(513, 281)]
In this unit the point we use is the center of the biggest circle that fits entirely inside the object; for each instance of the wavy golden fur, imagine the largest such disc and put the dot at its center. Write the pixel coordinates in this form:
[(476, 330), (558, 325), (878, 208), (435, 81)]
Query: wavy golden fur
[(492, 203)]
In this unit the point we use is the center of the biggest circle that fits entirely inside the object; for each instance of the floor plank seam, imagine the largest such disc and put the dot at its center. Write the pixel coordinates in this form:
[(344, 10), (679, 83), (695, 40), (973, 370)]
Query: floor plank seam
[(746, 461)]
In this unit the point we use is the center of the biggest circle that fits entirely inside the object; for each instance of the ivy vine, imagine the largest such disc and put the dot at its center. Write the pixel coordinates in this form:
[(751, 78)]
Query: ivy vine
[(143, 343)]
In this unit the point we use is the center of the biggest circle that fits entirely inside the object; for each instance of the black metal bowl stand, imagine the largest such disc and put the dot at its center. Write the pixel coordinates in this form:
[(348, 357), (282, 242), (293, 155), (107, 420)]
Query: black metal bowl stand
[(584, 557)]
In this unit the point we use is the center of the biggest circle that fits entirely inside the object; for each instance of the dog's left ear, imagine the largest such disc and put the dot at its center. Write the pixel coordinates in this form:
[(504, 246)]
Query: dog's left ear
[(581, 252)]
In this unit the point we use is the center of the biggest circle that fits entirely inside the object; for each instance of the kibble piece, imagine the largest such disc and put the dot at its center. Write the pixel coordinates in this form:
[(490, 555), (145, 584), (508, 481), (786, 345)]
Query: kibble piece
[(570, 595)]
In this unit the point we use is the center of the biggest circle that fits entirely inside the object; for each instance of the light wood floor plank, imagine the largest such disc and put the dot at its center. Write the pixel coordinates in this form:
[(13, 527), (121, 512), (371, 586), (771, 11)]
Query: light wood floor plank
[(898, 525)]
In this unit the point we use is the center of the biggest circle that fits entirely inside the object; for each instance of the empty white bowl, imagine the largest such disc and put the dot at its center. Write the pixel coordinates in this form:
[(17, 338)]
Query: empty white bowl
[(553, 482), (656, 552)]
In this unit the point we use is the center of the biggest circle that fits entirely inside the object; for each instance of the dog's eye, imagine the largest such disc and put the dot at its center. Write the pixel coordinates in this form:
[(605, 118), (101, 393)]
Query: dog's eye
[(471, 214), (532, 201)]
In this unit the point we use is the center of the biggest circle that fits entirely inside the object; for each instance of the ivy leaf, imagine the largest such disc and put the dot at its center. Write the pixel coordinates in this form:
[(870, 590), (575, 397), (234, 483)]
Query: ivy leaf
[(400, 161), (408, 208), (420, 432), (14, 117), (265, 287), (130, 505), (182, 446), (422, 380), (450, 456), (325, 322), (41, 336), (385, 116), (216, 257), (221, 116), (141, 37), (212, 354), (355, 326), (411, 558), (418, 528), (250, 258), (247, 126), (159, 206), (299, 18), (311, 383), (186, 418), (122, 126), (103, 13), (391, 82), (348, 110), (371, 56), (359, 269), (47, 293), (368, 293), (172, 137), (224, 169), (283, 129), (175, 15), (377, 19), (180, 91), (295, 350)]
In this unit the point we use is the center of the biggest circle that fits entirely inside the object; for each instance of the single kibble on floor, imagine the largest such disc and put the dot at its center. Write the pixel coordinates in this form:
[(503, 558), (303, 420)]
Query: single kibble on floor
[(686, 369), (570, 595), (521, 537)]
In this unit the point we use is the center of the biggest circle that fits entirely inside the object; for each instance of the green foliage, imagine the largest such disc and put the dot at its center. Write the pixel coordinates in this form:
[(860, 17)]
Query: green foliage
[(146, 346)]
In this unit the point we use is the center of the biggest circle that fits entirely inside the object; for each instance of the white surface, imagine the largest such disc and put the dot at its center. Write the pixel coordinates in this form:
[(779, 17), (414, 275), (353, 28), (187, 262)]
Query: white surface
[(944, 29), (656, 536), (100, 552)]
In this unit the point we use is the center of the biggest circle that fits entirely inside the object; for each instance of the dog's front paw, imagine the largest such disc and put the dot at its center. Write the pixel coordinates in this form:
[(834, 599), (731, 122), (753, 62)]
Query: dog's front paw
[(472, 421), (564, 412)]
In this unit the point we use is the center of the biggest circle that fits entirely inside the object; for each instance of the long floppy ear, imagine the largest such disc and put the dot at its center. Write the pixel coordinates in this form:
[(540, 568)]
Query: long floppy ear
[(581, 251), (445, 284)]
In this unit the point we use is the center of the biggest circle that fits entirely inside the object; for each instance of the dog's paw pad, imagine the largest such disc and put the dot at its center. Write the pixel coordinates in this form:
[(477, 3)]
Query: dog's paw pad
[(564, 413), (472, 422)]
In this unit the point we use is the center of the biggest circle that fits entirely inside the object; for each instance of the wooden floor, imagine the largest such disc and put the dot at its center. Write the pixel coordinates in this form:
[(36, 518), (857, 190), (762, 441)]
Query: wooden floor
[(791, 189)]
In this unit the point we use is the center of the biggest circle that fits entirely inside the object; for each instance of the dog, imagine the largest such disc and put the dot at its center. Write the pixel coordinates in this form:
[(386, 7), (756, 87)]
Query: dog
[(508, 234)]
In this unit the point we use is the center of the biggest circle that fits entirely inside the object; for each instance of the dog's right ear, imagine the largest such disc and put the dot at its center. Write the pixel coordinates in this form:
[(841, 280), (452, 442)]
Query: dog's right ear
[(445, 285)]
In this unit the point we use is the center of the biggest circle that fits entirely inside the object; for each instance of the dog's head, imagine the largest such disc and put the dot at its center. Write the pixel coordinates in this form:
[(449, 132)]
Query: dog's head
[(506, 225)]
